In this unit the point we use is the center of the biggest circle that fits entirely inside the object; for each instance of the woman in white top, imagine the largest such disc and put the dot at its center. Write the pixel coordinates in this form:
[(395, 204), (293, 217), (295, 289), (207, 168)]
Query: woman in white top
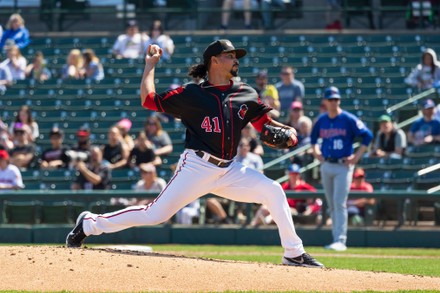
[(24, 116), (425, 74), (164, 41), (15, 62)]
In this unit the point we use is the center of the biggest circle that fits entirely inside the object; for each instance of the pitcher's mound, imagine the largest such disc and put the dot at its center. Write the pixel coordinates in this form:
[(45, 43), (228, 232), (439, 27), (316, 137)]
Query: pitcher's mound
[(48, 268)]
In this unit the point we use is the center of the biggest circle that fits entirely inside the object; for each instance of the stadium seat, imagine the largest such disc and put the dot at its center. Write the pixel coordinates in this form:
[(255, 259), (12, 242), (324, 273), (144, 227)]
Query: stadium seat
[(20, 212)]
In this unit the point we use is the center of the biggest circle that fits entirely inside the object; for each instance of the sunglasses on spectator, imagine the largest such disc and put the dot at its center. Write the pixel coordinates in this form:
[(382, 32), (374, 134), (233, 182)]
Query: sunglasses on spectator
[(332, 100)]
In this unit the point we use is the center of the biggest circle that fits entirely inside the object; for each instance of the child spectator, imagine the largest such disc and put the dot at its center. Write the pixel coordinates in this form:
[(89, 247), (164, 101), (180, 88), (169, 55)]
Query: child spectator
[(38, 68), (56, 156), (10, 175)]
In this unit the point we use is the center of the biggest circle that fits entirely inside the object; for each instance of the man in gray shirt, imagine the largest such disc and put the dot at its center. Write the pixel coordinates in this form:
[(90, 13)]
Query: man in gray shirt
[(289, 89)]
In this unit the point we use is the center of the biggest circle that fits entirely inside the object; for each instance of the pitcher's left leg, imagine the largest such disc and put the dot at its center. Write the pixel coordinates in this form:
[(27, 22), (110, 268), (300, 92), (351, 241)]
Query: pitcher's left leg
[(248, 185)]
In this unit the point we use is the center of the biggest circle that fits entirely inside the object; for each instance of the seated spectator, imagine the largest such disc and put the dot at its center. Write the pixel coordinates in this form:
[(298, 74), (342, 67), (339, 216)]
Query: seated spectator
[(143, 152), (124, 126), (268, 93), (159, 137), (305, 157), (425, 74), (15, 62), (92, 67), (425, 130), (390, 142), (56, 156), (289, 88), (158, 37), (247, 158), (295, 113), (25, 118), (356, 207), (5, 140), (148, 182), (24, 150), (38, 68), (93, 175), (250, 133), (189, 213), (267, 15), (229, 5), (132, 44), (81, 151), (5, 77), (16, 33), (10, 175), (73, 66), (115, 152), (298, 207)]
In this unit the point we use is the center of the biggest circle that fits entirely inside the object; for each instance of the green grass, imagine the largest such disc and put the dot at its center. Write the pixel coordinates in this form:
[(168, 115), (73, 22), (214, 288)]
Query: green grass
[(412, 261)]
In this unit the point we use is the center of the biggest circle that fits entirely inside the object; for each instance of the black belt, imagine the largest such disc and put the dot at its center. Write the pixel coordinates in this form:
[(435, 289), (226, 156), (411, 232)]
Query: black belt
[(214, 161), (335, 160)]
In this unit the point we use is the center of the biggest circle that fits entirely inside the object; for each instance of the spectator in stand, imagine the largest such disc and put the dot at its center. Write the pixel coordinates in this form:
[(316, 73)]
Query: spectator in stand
[(5, 77), (124, 126), (92, 67), (10, 175), (115, 152), (72, 69), (24, 117), (427, 73), (268, 93), (132, 44), (295, 113), (15, 62), (267, 15), (38, 68), (356, 207), (148, 182), (334, 14), (5, 140), (143, 152), (159, 137), (250, 133), (16, 33), (229, 5), (390, 142), (82, 148), (289, 88), (93, 175), (247, 158), (24, 150), (425, 130), (158, 37), (56, 156), (298, 207)]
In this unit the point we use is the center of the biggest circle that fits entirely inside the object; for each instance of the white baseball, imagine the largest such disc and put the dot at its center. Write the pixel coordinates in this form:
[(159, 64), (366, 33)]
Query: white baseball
[(153, 49)]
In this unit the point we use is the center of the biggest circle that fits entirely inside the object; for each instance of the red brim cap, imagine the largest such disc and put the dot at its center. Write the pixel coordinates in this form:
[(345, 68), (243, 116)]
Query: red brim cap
[(82, 133), (4, 155)]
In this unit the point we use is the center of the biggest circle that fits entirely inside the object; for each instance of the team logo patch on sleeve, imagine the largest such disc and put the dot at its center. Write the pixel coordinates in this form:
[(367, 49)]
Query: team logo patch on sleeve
[(242, 111)]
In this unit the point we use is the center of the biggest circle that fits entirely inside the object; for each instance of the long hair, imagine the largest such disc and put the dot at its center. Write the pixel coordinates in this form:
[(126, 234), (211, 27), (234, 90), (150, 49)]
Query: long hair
[(198, 70)]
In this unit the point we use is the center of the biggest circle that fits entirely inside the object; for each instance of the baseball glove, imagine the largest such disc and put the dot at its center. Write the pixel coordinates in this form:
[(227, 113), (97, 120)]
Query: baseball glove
[(277, 137)]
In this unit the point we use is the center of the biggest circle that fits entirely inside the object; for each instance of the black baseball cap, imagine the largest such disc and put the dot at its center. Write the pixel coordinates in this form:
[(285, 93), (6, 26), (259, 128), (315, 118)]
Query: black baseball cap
[(56, 131), (221, 46)]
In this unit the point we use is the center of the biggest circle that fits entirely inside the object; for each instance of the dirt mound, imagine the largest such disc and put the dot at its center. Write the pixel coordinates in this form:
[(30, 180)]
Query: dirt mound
[(48, 268)]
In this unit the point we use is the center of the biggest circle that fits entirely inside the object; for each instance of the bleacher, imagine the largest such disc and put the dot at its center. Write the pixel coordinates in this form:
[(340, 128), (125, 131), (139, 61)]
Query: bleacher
[(369, 70)]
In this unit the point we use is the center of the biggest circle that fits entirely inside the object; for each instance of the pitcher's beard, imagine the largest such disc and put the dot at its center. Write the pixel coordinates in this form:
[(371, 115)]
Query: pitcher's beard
[(234, 72)]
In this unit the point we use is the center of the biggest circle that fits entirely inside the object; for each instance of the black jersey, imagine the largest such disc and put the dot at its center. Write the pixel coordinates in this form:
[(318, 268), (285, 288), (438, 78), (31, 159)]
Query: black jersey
[(213, 117)]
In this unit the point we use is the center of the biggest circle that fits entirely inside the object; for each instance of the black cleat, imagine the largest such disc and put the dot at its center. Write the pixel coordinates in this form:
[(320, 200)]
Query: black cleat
[(304, 260), (76, 237)]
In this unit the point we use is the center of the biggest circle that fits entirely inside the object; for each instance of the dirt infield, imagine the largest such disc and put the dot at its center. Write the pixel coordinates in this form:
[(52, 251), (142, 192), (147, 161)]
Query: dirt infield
[(49, 268)]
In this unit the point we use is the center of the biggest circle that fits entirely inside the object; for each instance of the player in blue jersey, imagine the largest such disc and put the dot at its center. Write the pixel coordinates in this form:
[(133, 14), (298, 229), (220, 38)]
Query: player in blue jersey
[(338, 129)]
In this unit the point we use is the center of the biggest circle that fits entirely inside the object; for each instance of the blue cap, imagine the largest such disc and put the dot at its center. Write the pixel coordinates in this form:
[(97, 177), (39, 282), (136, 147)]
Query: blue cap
[(294, 168), (428, 104), (332, 93)]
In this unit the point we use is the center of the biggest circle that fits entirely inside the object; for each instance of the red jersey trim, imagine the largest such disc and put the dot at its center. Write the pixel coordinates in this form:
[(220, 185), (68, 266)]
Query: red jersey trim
[(258, 124), (149, 102)]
